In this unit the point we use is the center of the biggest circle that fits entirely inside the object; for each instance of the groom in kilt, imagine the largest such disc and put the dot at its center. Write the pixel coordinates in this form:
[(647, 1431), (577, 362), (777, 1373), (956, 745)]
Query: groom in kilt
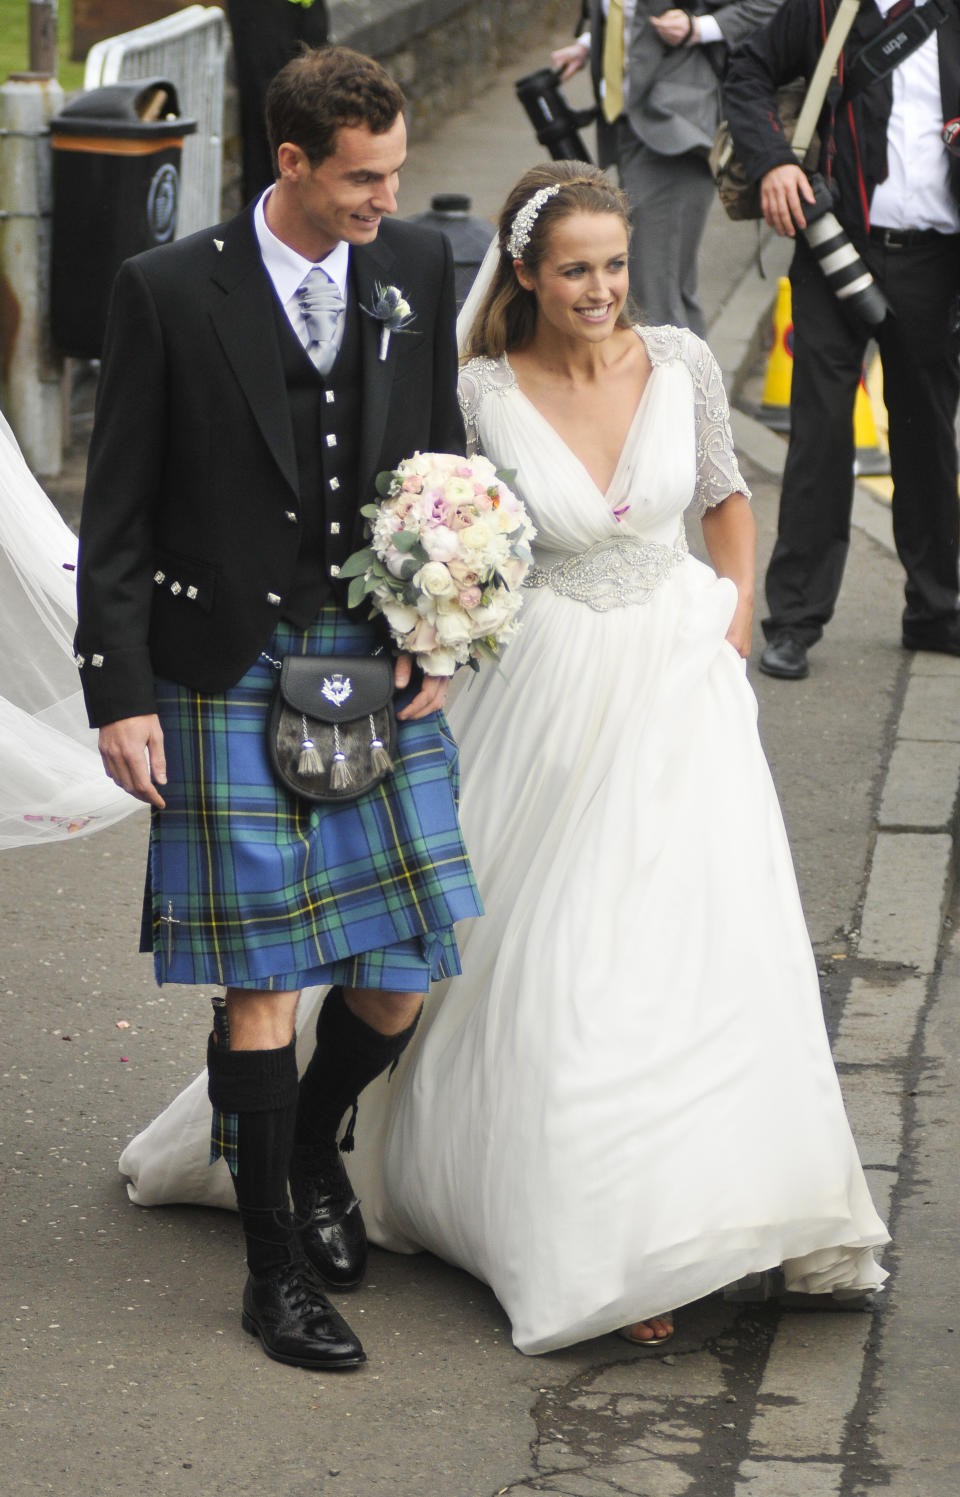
[(250, 391)]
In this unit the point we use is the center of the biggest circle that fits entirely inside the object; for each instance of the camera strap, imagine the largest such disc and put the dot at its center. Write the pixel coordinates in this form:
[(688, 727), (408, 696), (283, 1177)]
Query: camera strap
[(904, 32), (823, 72)]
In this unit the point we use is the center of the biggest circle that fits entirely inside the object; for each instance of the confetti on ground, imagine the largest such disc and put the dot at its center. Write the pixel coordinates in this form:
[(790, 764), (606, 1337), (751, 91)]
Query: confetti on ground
[(123, 1023)]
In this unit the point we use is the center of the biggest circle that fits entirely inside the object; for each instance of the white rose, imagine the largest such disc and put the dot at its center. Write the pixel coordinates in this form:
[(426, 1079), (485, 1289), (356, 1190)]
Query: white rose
[(474, 537), (400, 616), (434, 579), (489, 617), (453, 628), (458, 490), (438, 663)]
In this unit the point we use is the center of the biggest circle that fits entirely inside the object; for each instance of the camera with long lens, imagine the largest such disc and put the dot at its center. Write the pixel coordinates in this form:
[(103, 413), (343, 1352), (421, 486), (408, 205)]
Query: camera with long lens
[(847, 276), (556, 123)]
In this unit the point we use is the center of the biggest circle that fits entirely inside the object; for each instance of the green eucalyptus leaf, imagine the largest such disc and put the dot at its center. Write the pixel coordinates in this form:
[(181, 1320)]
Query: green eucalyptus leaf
[(356, 592), (357, 564)]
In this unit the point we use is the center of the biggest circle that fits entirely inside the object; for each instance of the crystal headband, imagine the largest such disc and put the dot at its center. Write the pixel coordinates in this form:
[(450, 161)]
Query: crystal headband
[(522, 226)]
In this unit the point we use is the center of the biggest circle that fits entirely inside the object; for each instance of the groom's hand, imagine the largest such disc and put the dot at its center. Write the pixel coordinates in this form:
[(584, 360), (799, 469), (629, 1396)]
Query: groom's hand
[(430, 697), (132, 754)]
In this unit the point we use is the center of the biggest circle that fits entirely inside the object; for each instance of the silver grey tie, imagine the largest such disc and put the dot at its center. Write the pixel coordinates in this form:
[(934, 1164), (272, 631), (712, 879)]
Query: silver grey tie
[(322, 308)]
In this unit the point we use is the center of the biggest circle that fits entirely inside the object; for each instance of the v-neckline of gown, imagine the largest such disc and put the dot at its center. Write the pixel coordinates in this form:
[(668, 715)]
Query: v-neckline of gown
[(603, 493)]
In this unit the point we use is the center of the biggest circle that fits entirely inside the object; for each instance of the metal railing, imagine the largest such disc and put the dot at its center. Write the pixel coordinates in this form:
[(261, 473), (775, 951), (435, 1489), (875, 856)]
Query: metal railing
[(188, 47)]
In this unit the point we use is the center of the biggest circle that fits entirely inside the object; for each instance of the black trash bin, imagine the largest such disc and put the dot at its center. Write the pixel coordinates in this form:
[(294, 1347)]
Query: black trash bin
[(469, 237), (116, 185)]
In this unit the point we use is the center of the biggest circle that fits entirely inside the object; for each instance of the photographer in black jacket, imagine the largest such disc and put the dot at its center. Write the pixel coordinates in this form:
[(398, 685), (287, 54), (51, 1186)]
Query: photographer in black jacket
[(896, 188)]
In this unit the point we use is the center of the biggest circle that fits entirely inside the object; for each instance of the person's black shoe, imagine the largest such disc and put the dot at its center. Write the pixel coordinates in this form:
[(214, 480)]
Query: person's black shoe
[(296, 1322), (942, 637), (327, 1213), (786, 657)]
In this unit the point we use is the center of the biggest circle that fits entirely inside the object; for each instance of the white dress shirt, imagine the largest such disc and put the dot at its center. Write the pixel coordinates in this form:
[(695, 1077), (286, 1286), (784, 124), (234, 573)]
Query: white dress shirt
[(916, 193), (288, 270)]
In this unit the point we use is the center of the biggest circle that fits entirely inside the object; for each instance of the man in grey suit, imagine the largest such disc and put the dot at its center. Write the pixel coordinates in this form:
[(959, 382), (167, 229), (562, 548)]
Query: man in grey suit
[(658, 129)]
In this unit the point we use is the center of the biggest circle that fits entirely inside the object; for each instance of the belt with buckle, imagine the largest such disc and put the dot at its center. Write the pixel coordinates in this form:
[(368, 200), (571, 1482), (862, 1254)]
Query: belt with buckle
[(895, 239)]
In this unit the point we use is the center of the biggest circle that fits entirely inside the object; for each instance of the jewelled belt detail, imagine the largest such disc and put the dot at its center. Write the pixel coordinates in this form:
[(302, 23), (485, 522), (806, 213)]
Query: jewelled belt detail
[(613, 573)]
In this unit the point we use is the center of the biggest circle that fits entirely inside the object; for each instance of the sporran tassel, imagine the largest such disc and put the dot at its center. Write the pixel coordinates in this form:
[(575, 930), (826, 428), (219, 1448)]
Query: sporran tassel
[(310, 761), (379, 757), (340, 773)]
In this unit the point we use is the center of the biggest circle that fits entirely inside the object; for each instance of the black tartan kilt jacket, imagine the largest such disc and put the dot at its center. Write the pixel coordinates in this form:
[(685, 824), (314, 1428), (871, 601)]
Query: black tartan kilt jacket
[(192, 470)]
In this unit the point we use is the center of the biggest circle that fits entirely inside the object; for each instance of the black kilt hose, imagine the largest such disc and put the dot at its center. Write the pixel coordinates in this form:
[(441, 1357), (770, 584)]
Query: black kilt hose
[(249, 886)]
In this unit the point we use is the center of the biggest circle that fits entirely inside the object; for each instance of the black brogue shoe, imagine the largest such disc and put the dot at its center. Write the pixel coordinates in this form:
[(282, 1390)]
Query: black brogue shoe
[(295, 1321), (332, 1236)]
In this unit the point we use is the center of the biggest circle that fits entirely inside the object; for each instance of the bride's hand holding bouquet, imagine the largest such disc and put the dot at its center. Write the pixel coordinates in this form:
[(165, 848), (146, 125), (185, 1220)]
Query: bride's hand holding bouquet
[(448, 549)]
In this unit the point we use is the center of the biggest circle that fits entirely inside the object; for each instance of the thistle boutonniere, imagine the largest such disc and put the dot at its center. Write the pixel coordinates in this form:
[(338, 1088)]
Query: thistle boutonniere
[(393, 312)]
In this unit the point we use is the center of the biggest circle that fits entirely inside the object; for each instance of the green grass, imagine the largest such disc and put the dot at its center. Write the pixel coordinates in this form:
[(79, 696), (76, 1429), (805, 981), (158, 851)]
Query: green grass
[(14, 42)]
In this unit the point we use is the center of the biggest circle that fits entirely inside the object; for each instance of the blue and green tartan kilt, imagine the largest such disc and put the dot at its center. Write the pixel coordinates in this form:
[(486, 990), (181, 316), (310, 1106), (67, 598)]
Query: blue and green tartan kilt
[(249, 886)]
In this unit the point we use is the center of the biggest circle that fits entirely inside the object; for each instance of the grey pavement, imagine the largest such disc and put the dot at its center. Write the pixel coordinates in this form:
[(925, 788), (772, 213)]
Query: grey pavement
[(124, 1366)]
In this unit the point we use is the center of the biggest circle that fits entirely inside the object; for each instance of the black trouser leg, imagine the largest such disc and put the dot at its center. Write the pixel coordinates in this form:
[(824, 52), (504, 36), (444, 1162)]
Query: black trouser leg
[(260, 1087), (266, 35), (920, 353), (813, 534)]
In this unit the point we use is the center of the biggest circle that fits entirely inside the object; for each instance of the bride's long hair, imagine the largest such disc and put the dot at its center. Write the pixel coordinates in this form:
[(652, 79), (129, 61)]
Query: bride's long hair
[(507, 315)]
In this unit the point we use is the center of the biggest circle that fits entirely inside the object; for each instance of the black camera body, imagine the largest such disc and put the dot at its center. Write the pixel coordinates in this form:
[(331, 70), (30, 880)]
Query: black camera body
[(847, 276), (556, 124)]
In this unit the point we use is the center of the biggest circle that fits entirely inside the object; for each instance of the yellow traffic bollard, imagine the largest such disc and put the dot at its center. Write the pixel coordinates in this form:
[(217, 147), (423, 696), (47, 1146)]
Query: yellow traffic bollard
[(775, 410), (870, 459)]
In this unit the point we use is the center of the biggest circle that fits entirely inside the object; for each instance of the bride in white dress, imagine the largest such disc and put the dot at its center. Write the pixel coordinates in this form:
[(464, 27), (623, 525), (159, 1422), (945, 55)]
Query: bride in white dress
[(627, 1101)]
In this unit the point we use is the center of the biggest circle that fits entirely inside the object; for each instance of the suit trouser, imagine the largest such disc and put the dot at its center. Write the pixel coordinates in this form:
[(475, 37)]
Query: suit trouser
[(266, 35), (670, 197), (920, 353)]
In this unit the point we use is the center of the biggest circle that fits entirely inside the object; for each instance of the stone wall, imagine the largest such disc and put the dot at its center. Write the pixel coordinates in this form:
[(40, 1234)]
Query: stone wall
[(442, 51)]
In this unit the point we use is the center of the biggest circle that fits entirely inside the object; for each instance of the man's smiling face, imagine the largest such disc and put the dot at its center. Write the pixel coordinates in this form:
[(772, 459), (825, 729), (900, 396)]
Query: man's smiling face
[(345, 196)]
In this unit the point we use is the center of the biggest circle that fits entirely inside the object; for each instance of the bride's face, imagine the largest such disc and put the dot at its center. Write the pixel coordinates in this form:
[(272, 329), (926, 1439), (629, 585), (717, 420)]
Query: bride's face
[(582, 280)]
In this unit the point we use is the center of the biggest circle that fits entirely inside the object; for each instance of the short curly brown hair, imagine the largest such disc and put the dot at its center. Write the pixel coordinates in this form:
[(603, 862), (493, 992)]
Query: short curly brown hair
[(323, 89)]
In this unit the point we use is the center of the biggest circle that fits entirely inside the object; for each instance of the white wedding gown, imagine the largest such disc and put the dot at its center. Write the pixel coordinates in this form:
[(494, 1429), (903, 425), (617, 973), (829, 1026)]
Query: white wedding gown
[(628, 1099), (52, 783)]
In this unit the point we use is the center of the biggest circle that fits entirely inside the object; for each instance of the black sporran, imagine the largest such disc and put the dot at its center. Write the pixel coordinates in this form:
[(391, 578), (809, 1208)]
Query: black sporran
[(332, 731)]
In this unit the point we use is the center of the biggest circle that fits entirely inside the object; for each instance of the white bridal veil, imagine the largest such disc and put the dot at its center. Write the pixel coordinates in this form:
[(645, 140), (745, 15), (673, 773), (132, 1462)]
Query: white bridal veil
[(52, 783)]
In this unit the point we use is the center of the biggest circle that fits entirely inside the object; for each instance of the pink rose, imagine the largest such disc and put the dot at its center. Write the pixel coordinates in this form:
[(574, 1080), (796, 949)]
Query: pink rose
[(460, 517), (422, 638), (413, 484), (470, 597)]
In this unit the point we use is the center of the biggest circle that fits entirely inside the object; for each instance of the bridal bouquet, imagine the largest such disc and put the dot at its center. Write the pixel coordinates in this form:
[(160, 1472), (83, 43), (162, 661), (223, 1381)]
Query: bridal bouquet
[(449, 547)]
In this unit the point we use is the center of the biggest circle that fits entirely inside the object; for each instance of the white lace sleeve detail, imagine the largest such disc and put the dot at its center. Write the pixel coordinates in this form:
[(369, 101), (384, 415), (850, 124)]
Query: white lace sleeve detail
[(718, 472), (479, 378)]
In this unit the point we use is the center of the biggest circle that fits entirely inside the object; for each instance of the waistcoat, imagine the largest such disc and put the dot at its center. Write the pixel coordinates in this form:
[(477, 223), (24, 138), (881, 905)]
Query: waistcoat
[(326, 433)]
